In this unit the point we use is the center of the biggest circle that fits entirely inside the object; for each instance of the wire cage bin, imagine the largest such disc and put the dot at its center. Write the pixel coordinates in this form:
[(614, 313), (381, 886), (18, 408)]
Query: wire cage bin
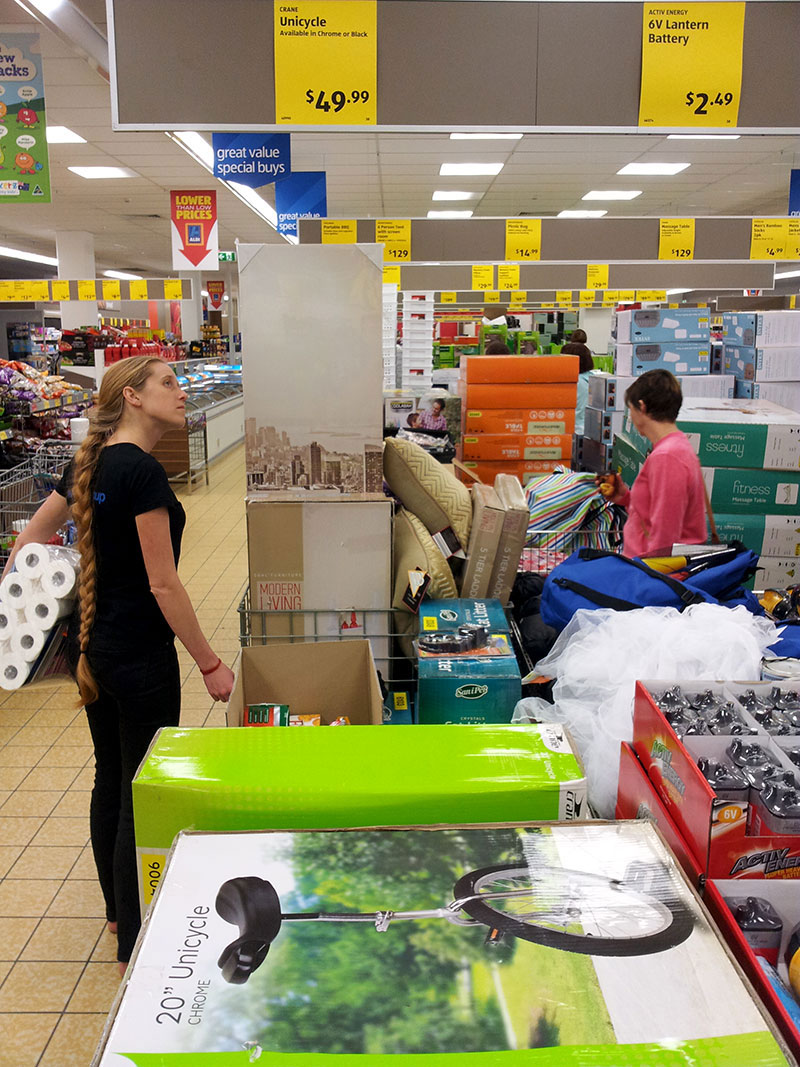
[(545, 549), (380, 628), (24, 487)]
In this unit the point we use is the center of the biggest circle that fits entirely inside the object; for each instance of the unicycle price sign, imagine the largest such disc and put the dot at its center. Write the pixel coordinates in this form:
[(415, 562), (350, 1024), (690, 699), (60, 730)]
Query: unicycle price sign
[(336, 42)]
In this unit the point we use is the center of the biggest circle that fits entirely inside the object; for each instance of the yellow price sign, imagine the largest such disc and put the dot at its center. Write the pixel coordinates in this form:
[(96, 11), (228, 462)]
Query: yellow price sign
[(326, 62), (523, 239), (139, 290), (508, 276), (339, 231), (652, 295), (482, 276), (676, 239), (395, 236), (448, 298), (7, 291), (597, 276), (768, 238), (173, 289), (87, 289), (691, 64), (586, 297), (519, 296), (610, 298), (59, 289), (27, 292), (492, 296), (111, 290), (391, 274), (792, 239), (563, 296), (793, 301), (627, 296)]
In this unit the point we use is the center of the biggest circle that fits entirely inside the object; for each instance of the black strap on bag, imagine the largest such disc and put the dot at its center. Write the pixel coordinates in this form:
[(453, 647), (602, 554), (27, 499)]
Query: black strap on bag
[(686, 596), (603, 600)]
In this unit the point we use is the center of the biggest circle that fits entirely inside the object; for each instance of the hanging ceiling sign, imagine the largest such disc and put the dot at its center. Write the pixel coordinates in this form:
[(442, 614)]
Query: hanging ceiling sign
[(195, 242), (303, 195), (24, 163), (252, 159), (216, 291)]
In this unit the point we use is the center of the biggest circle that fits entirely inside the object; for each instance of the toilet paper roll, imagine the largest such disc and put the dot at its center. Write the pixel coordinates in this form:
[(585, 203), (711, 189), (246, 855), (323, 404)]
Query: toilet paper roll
[(27, 642), (31, 559), (43, 611), (9, 621), (16, 590), (58, 579), (14, 671)]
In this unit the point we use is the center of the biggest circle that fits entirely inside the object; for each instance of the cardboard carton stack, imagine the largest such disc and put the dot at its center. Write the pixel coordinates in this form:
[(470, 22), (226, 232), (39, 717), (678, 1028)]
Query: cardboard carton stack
[(389, 336), (518, 414), (416, 357), (676, 340), (750, 454), (762, 351)]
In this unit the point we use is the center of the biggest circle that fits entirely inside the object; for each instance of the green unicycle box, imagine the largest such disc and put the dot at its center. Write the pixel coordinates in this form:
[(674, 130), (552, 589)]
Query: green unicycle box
[(331, 777)]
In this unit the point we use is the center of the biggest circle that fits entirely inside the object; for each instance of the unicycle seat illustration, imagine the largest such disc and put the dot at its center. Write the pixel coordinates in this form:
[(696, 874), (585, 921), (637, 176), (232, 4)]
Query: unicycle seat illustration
[(575, 911)]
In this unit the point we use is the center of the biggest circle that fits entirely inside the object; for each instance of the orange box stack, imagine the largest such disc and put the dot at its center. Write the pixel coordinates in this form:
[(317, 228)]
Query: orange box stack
[(518, 414)]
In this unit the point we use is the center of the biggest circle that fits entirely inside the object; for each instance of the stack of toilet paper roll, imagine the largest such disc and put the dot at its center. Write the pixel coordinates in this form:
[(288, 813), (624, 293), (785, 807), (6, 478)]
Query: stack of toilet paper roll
[(33, 598)]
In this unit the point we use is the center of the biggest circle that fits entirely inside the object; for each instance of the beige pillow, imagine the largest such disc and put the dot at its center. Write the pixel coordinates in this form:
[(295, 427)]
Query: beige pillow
[(414, 547), (430, 492)]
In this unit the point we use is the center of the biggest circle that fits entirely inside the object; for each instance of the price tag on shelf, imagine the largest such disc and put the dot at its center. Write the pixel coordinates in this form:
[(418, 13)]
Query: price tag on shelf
[(138, 290), (652, 295), (448, 298), (586, 297), (492, 296), (768, 238), (30, 292), (792, 239), (691, 64), (523, 239), (59, 289), (111, 290), (395, 236), (87, 289), (391, 274), (610, 298), (508, 276), (597, 276), (339, 231), (627, 296), (519, 296), (326, 62), (676, 239), (482, 276), (563, 296), (173, 289)]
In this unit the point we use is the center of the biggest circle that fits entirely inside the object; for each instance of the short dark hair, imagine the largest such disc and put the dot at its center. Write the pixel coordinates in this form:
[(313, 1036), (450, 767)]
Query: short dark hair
[(496, 348), (661, 393), (438, 400), (578, 337), (585, 356)]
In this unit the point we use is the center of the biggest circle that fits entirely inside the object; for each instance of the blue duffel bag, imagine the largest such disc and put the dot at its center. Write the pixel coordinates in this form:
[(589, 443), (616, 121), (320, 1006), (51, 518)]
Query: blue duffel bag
[(591, 578)]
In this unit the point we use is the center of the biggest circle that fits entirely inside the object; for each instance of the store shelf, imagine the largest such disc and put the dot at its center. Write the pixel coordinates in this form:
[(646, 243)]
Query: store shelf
[(31, 407), (6, 435)]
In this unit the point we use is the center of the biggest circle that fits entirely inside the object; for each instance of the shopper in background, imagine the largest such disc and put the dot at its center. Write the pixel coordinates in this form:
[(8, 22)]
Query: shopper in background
[(578, 337), (585, 368), (433, 419), (497, 348), (667, 504), (131, 606)]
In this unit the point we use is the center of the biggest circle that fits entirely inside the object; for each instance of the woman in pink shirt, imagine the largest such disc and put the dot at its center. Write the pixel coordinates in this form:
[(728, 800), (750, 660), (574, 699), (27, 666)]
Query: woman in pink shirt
[(667, 504)]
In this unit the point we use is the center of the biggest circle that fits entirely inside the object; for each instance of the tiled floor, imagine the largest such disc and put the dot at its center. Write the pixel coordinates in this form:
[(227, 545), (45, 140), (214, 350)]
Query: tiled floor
[(57, 971)]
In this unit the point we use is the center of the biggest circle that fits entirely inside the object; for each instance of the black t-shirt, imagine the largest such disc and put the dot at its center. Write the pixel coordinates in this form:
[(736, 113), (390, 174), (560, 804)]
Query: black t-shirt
[(128, 482)]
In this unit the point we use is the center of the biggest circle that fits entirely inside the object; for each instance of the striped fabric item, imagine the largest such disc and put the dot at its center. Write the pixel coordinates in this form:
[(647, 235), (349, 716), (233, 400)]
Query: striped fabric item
[(568, 512)]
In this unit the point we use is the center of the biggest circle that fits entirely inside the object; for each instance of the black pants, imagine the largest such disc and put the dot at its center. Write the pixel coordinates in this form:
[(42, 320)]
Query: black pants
[(139, 693)]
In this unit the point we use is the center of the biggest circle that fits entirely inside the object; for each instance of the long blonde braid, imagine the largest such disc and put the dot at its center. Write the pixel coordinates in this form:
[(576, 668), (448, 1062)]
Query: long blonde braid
[(104, 417)]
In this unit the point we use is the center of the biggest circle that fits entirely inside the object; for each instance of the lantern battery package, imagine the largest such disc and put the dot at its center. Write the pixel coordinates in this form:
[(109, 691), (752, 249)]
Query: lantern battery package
[(498, 945), (250, 779)]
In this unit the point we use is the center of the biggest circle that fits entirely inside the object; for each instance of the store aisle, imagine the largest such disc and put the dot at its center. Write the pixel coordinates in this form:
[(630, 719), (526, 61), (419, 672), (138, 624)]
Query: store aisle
[(57, 971)]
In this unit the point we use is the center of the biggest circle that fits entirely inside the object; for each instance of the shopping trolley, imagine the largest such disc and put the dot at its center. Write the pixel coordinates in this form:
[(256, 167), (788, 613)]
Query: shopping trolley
[(24, 487)]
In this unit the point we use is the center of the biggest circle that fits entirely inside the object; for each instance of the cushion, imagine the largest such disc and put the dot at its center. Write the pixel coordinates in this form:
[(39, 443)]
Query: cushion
[(414, 547), (426, 489)]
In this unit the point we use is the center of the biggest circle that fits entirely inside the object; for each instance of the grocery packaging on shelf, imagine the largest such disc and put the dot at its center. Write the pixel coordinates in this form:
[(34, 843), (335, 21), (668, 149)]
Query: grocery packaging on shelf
[(290, 779), (274, 944)]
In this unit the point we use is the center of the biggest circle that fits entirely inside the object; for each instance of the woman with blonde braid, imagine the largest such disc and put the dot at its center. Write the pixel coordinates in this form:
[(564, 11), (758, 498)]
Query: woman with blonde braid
[(131, 605)]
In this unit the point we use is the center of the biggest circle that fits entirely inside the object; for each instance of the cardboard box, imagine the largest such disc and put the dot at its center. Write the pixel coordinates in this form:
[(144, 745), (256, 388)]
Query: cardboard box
[(512, 539), (768, 535), (679, 359), (742, 433), (778, 364), (502, 446), (500, 397), (488, 515), (744, 390), (740, 361), (312, 996), (595, 456), (487, 470), (626, 460), (608, 390), (676, 326), (777, 328), (282, 778), (500, 370), (446, 616), (787, 394), (520, 421), (733, 490), (467, 689), (777, 572), (601, 426), (739, 328)]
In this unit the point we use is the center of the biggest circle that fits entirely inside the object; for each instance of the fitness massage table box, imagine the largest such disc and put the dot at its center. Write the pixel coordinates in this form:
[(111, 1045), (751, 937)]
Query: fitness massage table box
[(326, 777), (677, 326), (768, 535), (425, 946), (742, 433)]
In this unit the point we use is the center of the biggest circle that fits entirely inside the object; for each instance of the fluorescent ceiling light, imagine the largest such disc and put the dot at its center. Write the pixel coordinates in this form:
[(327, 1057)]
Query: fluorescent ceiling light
[(47, 7), (678, 292), (612, 194), (703, 136), (581, 214), (197, 146), (225, 296), (787, 274), (204, 292), (103, 172), (30, 257), (123, 275), (485, 136), (470, 168), (454, 194), (256, 202), (449, 214), (653, 168), (63, 135)]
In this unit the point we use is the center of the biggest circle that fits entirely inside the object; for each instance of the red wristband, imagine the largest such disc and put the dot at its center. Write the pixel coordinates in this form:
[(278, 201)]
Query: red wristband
[(212, 669)]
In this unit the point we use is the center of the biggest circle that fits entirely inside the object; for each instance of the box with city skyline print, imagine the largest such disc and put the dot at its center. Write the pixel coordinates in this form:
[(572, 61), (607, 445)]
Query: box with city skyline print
[(311, 322)]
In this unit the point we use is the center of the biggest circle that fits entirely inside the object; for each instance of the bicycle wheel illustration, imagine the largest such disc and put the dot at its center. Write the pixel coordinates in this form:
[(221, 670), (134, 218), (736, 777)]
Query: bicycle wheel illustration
[(578, 912)]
